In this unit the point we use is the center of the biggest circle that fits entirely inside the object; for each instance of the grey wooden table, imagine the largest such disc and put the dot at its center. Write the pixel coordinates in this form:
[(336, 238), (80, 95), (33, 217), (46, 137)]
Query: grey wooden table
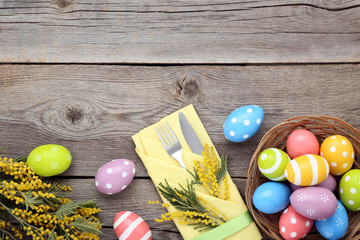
[(90, 74)]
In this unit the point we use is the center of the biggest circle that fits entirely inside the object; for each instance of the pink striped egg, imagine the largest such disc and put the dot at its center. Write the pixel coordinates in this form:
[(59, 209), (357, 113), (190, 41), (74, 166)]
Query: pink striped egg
[(129, 226)]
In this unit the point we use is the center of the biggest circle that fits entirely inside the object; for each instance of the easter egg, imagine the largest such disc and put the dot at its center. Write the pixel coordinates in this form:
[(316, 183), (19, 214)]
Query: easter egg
[(339, 152), (49, 160), (129, 226), (335, 226), (307, 170), (114, 176), (271, 197), (314, 202), (301, 142), (329, 183), (349, 190), (243, 123), (272, 163), (292, 225)]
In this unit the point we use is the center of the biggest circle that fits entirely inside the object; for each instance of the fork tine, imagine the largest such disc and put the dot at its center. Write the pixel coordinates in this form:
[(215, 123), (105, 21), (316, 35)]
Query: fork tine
[(165, 137), (168, 136), (161, 138), (173, 134)]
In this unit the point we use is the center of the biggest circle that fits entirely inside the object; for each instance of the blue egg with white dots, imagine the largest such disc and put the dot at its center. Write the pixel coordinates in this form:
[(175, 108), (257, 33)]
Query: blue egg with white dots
[(243, 123), (336, 226)]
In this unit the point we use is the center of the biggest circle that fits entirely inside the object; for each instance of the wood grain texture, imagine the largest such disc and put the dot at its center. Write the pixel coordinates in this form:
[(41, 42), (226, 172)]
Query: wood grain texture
[(94, 110), (108, 31)]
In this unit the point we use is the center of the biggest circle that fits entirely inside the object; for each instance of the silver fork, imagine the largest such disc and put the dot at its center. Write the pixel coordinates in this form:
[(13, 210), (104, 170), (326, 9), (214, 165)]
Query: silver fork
[(170, 142)]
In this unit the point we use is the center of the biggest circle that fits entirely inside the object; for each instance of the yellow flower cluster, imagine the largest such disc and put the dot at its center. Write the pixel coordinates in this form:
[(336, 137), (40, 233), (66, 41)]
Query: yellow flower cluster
[(87, 211), (207, 172), (188, 217), (38, 206), (213, 211), (193, 217), (4, 225)]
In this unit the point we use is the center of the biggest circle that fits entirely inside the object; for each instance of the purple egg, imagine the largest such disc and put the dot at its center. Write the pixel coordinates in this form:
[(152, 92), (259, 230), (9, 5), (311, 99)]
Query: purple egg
[(329, 183), (314, 202), (295, 187), (114, 176)]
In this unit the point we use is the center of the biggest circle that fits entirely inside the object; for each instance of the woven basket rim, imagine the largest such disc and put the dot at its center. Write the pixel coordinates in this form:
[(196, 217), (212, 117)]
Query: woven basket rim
[(321, 126)]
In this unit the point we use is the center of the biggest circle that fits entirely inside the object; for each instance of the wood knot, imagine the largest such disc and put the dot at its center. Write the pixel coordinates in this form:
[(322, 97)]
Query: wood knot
[(63, 3), (190, 88), (74, 114)]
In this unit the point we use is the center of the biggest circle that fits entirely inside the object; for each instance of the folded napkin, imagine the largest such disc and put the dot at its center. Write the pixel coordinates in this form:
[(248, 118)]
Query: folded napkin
[(161, 166)]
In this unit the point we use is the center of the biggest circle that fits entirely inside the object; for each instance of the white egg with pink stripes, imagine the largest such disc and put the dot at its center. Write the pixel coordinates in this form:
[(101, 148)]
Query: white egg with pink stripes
[(130, 226)]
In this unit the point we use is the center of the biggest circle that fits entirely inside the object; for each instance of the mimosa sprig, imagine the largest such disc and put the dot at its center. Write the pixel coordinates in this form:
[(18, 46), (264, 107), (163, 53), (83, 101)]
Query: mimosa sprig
[(41, 208), (211, 172), (193, 210)]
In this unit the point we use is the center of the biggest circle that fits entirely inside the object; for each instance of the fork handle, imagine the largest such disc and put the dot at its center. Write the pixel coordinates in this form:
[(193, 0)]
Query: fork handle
[(178, 156)]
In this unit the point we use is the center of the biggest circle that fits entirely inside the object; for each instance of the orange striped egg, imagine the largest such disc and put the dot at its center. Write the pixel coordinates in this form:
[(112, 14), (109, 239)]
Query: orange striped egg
[(129, 226), (307, 170)]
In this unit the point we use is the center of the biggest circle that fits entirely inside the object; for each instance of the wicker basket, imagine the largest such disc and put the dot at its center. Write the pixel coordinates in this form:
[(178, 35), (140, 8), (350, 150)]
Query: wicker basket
[(322, 127)]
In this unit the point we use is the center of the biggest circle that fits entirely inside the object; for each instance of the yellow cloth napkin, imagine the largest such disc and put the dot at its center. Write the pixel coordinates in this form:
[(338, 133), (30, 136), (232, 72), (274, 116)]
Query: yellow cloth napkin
[(160, 166)]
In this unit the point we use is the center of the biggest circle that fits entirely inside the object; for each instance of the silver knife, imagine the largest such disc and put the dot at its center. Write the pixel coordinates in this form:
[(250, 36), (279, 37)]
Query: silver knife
[(190, 135)]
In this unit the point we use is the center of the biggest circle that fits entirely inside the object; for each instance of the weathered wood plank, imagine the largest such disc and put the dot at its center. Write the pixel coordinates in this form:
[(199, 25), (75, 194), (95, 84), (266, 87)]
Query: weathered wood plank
[(93, 109), (281, 31)]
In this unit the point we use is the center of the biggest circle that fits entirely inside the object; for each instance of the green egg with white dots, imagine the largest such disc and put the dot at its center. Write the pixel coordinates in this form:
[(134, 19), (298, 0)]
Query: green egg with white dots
[(349, 190), (49, 160), (272, 163)]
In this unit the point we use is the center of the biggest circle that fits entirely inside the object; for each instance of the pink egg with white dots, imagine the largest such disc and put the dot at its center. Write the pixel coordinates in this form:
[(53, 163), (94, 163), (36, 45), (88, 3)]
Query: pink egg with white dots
[(292, 225), (114, 176)]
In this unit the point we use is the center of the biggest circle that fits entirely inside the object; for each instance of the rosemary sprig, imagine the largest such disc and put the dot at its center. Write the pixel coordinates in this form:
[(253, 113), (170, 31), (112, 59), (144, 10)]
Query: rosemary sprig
[(222, 168), (191, 207), (182, 199)]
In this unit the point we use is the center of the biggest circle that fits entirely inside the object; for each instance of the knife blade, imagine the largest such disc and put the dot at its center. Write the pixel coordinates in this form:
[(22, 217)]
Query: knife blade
[(190, 135)]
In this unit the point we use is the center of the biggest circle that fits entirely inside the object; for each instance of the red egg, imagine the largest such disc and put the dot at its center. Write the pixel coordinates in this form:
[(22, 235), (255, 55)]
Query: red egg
[(301, 142), (292, 225), (129, 226)]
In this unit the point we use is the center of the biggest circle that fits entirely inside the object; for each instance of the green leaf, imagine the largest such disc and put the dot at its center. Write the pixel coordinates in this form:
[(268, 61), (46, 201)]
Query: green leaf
[(31, 200), (222, 168), (86, 225), (52, 235), (66, 209), (20, 159), (58, 190), (89, 204)]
